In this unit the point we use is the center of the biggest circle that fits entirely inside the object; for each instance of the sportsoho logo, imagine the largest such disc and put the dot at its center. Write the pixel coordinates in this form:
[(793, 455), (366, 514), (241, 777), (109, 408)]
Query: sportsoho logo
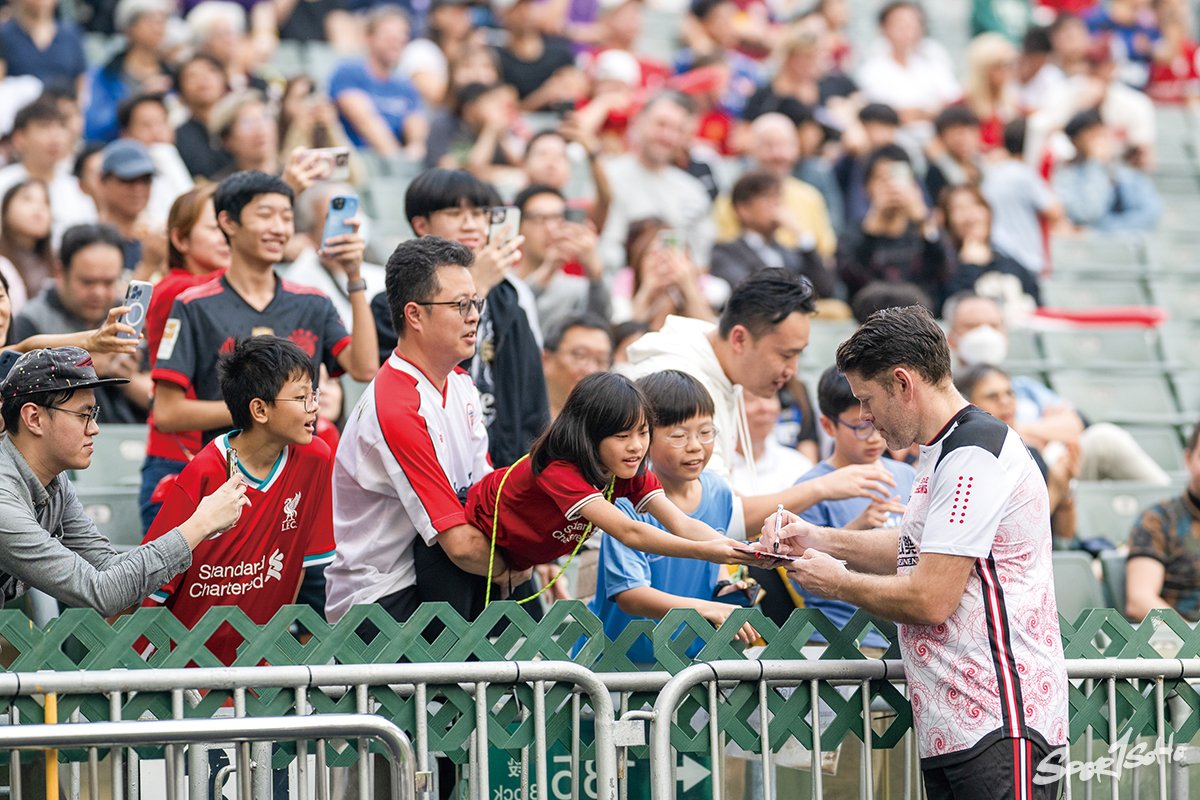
[(1121, 757), (223, 580)]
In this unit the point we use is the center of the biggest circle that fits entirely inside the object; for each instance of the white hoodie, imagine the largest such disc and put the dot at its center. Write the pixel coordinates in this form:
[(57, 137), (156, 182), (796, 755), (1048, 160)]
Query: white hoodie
[(683, 344)]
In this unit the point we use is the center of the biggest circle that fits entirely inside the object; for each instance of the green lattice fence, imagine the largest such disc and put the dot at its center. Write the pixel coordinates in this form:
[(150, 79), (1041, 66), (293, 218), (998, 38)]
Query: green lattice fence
[(81, 640)]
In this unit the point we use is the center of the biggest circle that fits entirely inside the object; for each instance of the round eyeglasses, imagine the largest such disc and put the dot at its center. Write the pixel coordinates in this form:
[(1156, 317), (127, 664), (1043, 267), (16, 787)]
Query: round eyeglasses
[(680, 438), (312, 400), (862, 431)]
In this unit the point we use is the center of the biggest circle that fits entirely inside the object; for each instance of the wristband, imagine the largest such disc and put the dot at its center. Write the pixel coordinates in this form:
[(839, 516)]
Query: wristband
[(357, 285)]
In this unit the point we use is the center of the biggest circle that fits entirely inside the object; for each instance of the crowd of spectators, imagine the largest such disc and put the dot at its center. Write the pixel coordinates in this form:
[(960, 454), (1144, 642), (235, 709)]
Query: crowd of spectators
[(650, 189)]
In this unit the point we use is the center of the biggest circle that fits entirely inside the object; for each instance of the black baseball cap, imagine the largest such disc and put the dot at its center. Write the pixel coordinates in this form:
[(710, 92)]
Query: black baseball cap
[(53, 369)]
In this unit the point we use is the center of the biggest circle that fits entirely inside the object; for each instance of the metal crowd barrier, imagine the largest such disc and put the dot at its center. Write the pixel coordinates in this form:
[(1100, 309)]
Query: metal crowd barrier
[(406, 679), (809, 675), (94, 735)]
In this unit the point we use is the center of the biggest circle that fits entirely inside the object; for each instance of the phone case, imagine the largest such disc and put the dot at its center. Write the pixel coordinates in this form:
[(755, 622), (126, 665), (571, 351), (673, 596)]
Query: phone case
[(336, 219), (137, 297), (505, 224)]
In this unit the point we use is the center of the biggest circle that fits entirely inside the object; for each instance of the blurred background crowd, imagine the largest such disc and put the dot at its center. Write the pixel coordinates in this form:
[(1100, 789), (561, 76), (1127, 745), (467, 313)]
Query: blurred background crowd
[(1021, 167)]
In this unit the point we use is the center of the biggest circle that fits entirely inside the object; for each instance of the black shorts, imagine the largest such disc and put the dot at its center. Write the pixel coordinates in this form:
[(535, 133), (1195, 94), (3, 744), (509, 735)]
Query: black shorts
[(1004, 769)]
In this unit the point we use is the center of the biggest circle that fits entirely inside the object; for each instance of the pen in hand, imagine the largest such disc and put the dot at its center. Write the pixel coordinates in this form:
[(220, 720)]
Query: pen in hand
[(778, 519)]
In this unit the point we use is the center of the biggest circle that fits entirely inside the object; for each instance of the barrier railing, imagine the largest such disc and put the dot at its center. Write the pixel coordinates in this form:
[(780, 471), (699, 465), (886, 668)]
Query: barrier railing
[(477, 717), (93, 735), (401, 691), (814, 682)]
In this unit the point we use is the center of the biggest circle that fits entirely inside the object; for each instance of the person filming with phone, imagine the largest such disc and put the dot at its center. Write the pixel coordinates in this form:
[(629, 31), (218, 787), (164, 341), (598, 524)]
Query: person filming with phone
[(87, 285), (898, 239), (47, 542)]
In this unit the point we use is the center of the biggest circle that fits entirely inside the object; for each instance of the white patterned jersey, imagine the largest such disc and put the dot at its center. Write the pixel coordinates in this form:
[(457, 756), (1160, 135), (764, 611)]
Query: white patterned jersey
[(994, 669)]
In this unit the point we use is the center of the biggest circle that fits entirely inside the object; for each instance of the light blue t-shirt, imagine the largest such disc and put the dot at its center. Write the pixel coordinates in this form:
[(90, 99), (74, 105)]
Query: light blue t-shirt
[(622, 568), (839, 514), (394, 98)]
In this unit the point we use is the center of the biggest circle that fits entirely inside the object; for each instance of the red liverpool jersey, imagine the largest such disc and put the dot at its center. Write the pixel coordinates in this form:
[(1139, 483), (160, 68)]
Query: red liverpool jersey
[(257, 564)]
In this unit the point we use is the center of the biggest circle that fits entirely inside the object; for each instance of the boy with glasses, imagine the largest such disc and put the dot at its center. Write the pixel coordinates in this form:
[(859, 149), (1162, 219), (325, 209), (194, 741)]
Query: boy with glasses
[(854, 442), (635, 585), (258, 564), (46, 541)]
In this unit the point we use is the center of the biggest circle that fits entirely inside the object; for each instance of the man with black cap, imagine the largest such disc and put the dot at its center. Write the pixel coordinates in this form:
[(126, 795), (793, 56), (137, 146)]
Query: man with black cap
[(46, 541), (126, 174)]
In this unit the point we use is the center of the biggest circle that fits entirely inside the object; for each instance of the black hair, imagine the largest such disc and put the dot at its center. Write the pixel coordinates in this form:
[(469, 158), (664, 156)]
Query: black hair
[(438, 189), (955, 117), (752, 186), (798, 112), (878, 295), (600, 405), (1194, 439), (896, 5), (258, 367), (834, 394), (43, 109), (129, 105), (702, 8), (623, 330), (10, 409), (969, 378), (533, 190), (1083, 121), (77, 237), (1014, 137), (896, 337), (542, 134), (411, 275), (87, 151), (58, 92), (239, 189), (764, 300), (1036, 41), (675, 397), (893, 153), (555, 335), (465, 95), (879, 112)]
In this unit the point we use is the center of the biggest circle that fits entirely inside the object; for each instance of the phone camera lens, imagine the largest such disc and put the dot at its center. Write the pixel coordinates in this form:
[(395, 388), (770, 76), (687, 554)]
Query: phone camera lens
[(339, 202)]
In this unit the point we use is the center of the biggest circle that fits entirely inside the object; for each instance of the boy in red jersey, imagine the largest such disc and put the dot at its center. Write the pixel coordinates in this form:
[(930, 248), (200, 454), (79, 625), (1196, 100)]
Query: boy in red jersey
[(258, 564)]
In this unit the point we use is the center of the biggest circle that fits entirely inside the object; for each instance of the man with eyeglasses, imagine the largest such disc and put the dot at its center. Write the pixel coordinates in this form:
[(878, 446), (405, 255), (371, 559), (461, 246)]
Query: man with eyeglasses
[(575, 348), (506, 366), (412, 447), (552, 243), (50, 413)]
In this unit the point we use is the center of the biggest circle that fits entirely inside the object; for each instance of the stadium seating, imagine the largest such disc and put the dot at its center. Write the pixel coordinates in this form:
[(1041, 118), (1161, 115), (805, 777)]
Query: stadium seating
[(1112, 565), (114, 509), (1075, 586), (117, 458), (1109, 509)]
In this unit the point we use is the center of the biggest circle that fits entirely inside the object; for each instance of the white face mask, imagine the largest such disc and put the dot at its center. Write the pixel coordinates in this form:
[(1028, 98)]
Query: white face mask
[(982, 345)]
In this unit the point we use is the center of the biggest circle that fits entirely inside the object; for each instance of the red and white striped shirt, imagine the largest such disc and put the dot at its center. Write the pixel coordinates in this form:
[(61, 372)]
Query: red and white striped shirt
[(408, 454)]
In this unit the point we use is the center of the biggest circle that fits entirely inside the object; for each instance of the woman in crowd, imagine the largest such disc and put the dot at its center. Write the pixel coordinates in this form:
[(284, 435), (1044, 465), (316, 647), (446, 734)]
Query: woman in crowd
[(976, 264), (202, 84), (991, 88), (197, 253), (661, 279), (991, 389), (26, 257), (247, 131)]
